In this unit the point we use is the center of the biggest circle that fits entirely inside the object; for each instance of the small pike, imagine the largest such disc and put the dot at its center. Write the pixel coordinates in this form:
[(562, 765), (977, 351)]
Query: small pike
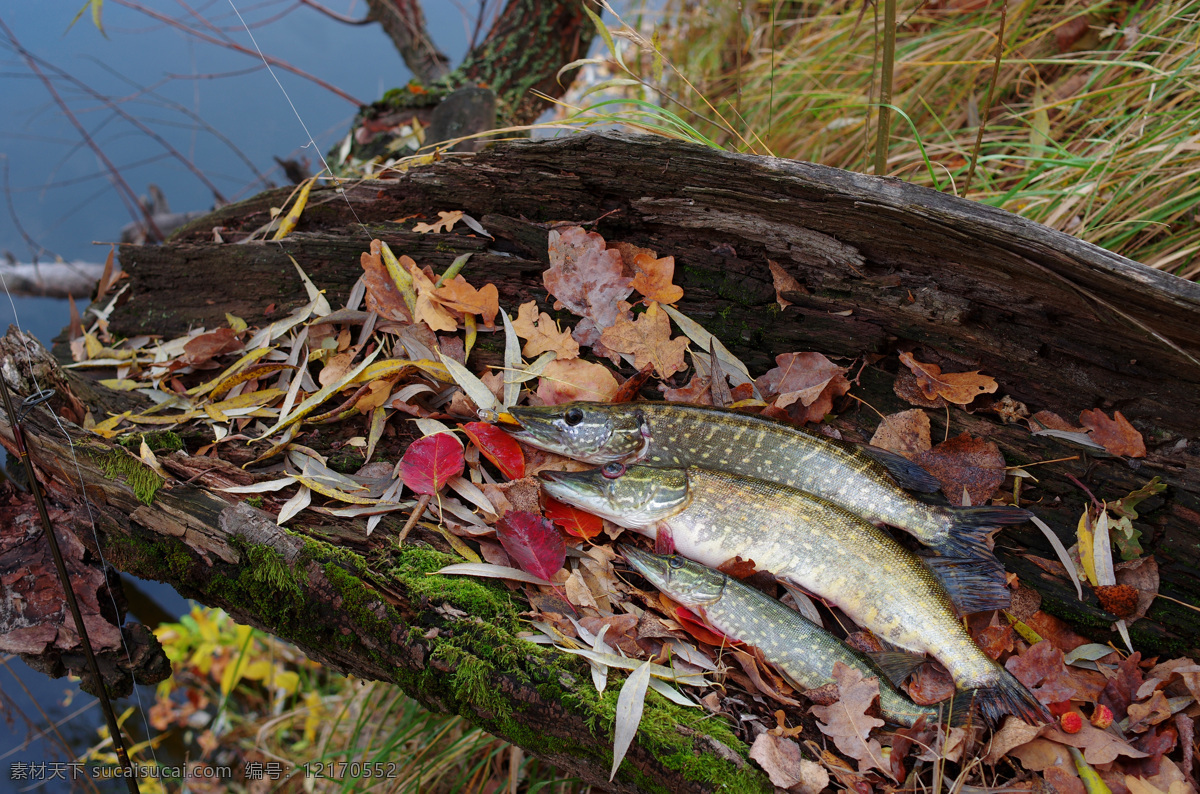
[(862, 479), (711, 517), (801, 649)]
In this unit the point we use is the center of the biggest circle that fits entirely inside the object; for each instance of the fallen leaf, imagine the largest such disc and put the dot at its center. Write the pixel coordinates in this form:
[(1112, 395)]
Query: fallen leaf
[(202, 348), (383, 296), (1150, 712), (498, 447), (578, 592), (430, 461), (541, 334), (930, 684), (444, 224), (780, 759), (905, 433), (809, 379), (1098, 746), (429, 311), (587, 278), (698, 391), (630, 703), (738, 568), (1121, 689), (532, 542), (1116, 435), (576, 379), (652, 277), (573, 521), (957, 387), (784, 282), (648, 340), (460, 296), (965, 462), (846, 721), (1052, 421), (1014, 733), (1118, 599)]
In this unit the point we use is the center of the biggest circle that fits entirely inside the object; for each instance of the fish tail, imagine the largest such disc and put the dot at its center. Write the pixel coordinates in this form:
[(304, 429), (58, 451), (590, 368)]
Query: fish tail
[(1009, 696), (904, 472), (970, 529), (974, 584)]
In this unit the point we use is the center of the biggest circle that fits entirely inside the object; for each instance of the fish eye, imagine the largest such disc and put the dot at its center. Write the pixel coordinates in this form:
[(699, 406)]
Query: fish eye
[(574, 416), (612, 470), (676, 561)]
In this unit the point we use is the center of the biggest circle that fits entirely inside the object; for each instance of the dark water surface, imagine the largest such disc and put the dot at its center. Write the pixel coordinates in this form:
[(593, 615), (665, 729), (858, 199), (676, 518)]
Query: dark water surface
[(59, 200)]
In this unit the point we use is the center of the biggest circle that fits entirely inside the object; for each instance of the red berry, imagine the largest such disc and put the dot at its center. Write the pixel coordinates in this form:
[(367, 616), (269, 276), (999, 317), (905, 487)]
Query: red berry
[(1102, 717), (1071, 722)]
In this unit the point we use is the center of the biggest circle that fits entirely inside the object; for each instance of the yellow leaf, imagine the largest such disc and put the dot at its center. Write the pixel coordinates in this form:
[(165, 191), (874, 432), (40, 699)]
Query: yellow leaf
[(123, 384), (333, 493), (289, 221), (287, 680), (236, 323), (107, 428), (218, 384), (1086, 542), (262, 397), (258, 670)]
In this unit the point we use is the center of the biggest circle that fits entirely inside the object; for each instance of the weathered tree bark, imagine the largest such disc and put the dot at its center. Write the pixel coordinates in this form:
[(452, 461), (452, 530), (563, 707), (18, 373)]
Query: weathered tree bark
[(1062, 325)]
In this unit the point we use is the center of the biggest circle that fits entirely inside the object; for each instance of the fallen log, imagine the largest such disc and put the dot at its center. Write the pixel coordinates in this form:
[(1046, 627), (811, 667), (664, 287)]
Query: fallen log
[(881, 265)]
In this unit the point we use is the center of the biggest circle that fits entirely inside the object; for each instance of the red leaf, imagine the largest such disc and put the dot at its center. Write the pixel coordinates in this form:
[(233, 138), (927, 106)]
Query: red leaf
[(573, 520), (694, 625), (430, 461), (533, 543), (498, 447)]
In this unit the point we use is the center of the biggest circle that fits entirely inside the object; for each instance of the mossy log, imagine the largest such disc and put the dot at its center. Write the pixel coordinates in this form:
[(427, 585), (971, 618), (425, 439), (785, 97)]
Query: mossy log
[(1061, 324)]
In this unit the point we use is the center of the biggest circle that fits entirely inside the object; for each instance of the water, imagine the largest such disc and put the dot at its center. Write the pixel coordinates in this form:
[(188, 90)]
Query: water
[(60, 200)]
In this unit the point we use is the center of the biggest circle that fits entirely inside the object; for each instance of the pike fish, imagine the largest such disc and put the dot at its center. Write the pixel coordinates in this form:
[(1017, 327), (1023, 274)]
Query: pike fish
[(865, 480), (712, 517), (801, 649)]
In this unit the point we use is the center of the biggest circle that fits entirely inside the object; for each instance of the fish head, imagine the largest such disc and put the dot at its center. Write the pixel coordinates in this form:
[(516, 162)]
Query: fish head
[(690, 583), (637, 497), (587, 431)]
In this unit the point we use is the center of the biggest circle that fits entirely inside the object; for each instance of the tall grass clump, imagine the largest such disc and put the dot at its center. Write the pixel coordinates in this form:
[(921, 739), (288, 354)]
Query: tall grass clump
[(1093, 127)]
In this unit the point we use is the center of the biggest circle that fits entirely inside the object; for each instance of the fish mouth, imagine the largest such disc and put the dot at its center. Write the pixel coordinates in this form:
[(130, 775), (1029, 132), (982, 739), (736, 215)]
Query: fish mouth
[(651, 566), (575, 487)]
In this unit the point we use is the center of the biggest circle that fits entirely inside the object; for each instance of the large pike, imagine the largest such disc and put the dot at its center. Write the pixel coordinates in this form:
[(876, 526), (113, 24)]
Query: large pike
[(712, 517), (864, 480), (801, 649)]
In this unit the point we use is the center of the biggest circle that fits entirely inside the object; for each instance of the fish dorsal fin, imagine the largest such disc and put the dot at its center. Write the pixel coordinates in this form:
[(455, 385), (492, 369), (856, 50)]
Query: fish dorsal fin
[(974, 585), (907, 474)]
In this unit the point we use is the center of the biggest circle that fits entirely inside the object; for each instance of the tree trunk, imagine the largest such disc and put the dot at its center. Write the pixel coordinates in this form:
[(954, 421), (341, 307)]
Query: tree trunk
[(1061, 324)]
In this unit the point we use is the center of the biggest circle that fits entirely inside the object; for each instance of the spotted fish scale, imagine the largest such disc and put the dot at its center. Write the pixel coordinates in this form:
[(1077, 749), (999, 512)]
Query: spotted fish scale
[(850, 476), (804, 651), (712, 517)]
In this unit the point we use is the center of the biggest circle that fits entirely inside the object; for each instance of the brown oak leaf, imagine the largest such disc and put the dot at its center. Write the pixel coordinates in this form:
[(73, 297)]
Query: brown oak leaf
[(383, 296), (429, 310), (576, 379), (847, 723), (957, 387), (587, 278), (905, 433), (809, 379), (445, 223), (1116, 435), (652, 276), (648, 340), (965, 462), (202, 348), (460, 296), (541, 334), (697, 391), (780, 758)]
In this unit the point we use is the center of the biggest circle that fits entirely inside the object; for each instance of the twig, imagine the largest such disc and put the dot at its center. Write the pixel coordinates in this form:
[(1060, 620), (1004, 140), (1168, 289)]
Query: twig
[(1086, 490), (417, 512), (329, 12), (885, 87), (987, 105)]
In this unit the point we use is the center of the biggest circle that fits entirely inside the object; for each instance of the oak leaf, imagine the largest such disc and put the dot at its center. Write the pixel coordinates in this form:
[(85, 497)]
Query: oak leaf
[(780, 758), (957, 387), (445, 223), (429, 310), (202, 348), (587, 278), (648, 340), (965, 462), (808, 380), (697, 391), (460, 296), (847, 723), (576, 379), (652, 276), (541, 334), (383, 296), (1116, 435)]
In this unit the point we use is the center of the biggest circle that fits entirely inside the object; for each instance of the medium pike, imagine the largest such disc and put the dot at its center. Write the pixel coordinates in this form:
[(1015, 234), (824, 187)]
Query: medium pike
[(864, 480), (801, 649), (712, 517)]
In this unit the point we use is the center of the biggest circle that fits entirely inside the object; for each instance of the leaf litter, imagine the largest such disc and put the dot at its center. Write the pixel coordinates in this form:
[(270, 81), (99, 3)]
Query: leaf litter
[(394, 366)]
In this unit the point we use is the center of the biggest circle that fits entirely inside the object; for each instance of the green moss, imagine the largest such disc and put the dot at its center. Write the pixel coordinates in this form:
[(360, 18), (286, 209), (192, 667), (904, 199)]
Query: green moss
[(254, 501), (117, 462), (268, 568), (159, 441)]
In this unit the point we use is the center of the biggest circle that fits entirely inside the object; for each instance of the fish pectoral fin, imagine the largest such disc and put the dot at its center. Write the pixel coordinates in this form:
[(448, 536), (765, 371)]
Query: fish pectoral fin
[(897, 665), (803, 601)]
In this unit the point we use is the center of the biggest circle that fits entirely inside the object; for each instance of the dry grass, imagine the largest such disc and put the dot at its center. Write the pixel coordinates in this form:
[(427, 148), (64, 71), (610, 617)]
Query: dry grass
[(1094, 129)]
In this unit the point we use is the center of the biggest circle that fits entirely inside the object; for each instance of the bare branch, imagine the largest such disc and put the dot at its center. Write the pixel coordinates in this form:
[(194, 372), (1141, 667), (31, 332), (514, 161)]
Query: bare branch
[(404, 22)]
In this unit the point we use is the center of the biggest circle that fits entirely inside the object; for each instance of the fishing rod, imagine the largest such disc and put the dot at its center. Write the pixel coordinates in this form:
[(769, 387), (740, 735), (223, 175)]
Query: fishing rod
[(110, 716)]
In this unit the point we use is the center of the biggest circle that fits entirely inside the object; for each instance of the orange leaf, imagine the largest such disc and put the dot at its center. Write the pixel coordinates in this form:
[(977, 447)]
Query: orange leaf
[(957, 387), (1115, 435), (444, 224), (587, 278), (576, 379), (542, 334), (383, 296), (498, 447), (805, 384), (653, 276), (462, 297), (648, 340), (784, 282), (573, 520)]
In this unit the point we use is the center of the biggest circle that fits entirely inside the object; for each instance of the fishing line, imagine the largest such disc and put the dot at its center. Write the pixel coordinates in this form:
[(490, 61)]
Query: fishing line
[(337, 183), (115, 735)]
